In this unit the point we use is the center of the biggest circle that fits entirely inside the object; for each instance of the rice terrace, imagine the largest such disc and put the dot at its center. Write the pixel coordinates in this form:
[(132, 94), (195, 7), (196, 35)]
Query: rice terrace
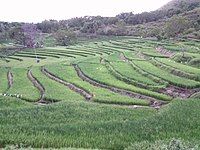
[(104, 92)]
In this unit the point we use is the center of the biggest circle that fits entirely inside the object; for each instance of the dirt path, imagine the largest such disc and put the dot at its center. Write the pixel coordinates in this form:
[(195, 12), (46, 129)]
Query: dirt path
[(122, 57), (10, 79), (39, 86), (87, 95), (153, 102), (165, 52), (178, 92)]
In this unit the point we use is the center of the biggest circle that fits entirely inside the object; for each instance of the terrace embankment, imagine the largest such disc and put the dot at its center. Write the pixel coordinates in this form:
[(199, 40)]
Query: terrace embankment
[(165, 52), (178, 92), (153, 102), (39, 86), (10, 79), (175, 91), (84, 93)]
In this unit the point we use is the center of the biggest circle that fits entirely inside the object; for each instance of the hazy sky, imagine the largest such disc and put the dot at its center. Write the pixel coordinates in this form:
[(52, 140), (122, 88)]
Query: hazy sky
[(39, 10)]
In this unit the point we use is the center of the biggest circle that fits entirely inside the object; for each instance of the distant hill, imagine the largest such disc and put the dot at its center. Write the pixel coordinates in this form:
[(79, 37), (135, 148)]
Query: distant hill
[(172, 8), (181, 5), (182, 15), (187, 24), (178, 18)]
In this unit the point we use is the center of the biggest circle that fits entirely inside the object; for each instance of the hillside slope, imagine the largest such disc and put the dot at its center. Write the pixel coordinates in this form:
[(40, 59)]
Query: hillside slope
[(181, 5)]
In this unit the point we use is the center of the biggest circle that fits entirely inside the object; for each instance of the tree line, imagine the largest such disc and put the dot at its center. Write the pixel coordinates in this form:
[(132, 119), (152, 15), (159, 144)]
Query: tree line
[(162, 23)]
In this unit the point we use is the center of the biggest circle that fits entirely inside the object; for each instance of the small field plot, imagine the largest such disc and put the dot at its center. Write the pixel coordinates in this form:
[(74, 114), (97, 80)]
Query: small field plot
[(54, 91), (175, 80), (99, 94), (22, 86), (100, 73), (3, 80)]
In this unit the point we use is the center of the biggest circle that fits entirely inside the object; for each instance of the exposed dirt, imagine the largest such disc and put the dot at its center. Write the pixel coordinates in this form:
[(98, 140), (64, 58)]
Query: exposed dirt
[(153, 102), (165, 52), (141, 55), (123, 58), (87, 95), (178, 92), (10, 79), (175, 91), (101, 60), (39, 86)]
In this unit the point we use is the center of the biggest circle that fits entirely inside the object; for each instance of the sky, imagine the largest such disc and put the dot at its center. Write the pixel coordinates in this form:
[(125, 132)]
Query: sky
[(39, 10)]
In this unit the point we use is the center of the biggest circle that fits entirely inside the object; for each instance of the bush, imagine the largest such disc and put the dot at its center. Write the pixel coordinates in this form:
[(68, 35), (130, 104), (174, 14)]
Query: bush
[(65, 37)]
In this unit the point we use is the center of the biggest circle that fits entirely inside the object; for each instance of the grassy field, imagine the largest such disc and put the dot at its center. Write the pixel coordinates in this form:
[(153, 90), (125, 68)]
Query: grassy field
[(106, 94)]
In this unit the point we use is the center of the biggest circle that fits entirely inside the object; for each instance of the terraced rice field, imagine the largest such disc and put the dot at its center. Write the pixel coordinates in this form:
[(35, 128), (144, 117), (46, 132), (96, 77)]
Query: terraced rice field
[(100, 87)]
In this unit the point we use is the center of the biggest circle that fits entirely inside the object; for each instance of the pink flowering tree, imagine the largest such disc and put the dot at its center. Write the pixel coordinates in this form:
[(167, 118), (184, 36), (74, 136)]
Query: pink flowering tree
[(30, 34)]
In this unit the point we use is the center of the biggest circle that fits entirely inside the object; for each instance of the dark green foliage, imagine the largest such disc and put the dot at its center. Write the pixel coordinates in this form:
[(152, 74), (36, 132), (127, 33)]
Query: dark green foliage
[(177, 18), (65, 37), (175, 26)]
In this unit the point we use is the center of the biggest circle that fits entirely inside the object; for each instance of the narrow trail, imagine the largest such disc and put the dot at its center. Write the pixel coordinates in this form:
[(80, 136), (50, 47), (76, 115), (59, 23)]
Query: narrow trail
[(153, 102), (10, 79), (39, 86), (122, 57), (178, 92), (165, 52), (85, 94)]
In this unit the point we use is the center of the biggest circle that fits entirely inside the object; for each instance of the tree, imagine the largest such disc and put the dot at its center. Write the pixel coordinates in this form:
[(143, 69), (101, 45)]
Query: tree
[(48, 26), (176, 26), (156, 32), (90, 27), (16, 34), (30, 33), (65, 37)]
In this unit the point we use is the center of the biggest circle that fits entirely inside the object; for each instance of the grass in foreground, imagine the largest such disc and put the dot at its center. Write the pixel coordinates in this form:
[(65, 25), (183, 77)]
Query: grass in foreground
[(89, 125)]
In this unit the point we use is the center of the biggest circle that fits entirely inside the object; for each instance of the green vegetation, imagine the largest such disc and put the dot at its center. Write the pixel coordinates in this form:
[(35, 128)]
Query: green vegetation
[(172, 79), (89, 125), (3, 80), (55, 92), (126, 82), (135, 101), (22, 86), (100, 73), (180, 66), (126, 70), (100, 95)]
